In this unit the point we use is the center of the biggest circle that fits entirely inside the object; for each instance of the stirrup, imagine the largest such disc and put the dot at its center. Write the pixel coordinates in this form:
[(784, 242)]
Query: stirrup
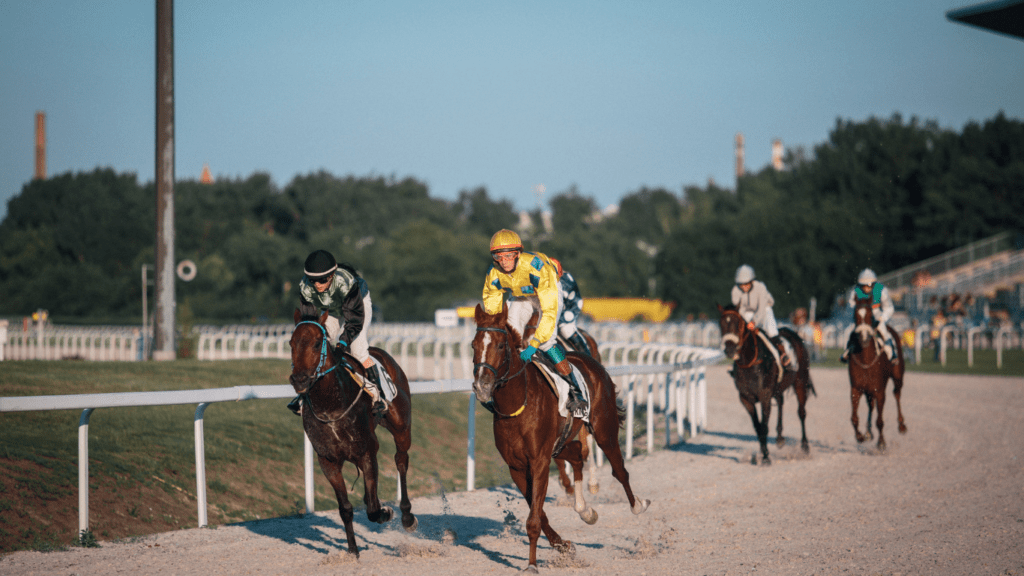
[(379, 408)]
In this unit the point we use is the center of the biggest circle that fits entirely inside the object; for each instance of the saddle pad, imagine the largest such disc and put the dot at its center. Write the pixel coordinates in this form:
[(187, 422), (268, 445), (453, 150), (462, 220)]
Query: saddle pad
[(390, 390), (793, 364), (562, 391)]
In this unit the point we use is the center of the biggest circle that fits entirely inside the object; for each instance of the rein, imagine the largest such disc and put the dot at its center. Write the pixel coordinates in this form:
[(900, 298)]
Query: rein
[(501, 380), (320, 373)]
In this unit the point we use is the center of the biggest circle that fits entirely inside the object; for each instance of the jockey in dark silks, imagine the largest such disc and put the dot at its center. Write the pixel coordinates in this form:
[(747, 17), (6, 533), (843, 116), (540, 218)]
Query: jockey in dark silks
[(572, 307), (882, 309), (344, 295), (528, 282)]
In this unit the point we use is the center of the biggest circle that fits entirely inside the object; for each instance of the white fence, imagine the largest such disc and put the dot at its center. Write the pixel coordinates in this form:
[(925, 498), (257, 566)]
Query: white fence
[(677, 385)]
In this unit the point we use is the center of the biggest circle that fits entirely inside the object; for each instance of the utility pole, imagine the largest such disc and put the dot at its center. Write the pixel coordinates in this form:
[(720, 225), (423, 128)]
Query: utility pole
[(40, 145), (163, 320)]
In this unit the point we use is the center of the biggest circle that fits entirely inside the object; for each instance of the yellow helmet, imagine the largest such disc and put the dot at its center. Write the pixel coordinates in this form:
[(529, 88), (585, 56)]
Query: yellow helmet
[(505, 240)]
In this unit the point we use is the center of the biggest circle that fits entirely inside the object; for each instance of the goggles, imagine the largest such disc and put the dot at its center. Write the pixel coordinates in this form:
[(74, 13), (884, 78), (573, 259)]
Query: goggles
[(320, 279), (505, 256)]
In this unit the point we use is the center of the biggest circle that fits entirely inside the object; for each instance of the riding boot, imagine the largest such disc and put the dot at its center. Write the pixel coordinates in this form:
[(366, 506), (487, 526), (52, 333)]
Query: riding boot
[(580, 344), (783, 357), (379, 405), (576, 401), (296, 405)]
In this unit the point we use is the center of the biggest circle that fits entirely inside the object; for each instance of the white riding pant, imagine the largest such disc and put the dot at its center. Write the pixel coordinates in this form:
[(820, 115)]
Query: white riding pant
[(360, 346), (769, 326)]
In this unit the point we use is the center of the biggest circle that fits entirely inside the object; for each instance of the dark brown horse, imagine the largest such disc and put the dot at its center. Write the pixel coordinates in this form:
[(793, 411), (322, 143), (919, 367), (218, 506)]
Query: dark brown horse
[(336, 417), (756, 375), (870, 370), (527, 424)]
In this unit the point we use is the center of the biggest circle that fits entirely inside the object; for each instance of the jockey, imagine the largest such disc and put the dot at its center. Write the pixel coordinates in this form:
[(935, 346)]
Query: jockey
[(572, 305), (529, 280), (881, 308), (340, 291), (754, 303)]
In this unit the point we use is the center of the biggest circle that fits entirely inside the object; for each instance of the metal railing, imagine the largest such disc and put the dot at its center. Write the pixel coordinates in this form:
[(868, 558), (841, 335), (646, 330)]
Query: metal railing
[(683, 390)]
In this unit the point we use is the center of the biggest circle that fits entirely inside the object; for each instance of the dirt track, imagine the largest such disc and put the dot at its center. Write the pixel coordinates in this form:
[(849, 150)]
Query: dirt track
[(946, 498)]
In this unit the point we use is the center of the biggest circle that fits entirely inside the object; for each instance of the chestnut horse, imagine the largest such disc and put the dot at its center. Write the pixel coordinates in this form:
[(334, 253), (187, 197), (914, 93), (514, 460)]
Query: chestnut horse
[(527, 424), (336, 417), (870, 370), (756, 375)]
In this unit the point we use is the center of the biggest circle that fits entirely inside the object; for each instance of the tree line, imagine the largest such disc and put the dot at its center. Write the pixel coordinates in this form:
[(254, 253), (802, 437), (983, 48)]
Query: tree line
[(881, 193)]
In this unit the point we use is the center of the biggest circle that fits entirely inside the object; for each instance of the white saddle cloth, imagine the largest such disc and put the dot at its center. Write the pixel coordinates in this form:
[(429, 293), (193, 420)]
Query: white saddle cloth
[(563, 392)]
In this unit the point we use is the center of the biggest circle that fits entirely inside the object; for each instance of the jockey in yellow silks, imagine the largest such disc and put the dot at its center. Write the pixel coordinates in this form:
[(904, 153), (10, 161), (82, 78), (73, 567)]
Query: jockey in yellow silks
[(529, 282)]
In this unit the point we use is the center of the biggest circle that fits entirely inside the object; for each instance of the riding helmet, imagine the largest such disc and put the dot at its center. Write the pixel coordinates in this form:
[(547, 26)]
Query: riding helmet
[(320, 264), (505, 240), (867, 276), (744, 274)]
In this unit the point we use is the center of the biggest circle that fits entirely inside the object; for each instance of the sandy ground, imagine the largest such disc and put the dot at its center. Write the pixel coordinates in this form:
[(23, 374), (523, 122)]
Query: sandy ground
[(946, 498)]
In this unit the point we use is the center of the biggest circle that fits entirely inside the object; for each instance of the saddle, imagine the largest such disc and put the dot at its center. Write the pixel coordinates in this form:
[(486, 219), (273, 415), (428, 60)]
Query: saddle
[(389, 388), (561, 389), (793, 366)]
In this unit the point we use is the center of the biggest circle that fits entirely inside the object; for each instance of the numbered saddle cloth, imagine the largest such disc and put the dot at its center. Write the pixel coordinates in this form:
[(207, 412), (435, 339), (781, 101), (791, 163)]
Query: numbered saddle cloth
[(562, 391), (390, 390)]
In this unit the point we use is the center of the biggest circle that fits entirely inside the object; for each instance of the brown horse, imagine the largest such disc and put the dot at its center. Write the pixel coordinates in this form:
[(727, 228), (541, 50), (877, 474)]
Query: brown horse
[(336, 417), (870, 370), (527, 424), (756, 375)]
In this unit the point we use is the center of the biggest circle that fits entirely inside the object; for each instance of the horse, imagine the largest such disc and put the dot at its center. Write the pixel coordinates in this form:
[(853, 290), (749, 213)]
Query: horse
[(756, 375), (870, 370), (527, 425), (337, 420)]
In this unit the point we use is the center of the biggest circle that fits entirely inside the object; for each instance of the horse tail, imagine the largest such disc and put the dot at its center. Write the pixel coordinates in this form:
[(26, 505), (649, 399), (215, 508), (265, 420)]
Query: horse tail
[(352, 489)]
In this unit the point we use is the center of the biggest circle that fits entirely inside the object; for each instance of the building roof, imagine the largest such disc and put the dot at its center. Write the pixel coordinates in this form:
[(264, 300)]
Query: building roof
[(1002, 16)]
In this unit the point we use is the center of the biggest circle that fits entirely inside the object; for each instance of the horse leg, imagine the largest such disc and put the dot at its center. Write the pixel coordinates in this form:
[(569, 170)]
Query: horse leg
[(332, 470), (374, 511), (563, 477), (574, 454), (897, 389), (855, 406), (533, 484), (870, 398), (766, 414), (607, 438), (801, 411), (780, 440), (590, 457), (403, 440), (880, 401)]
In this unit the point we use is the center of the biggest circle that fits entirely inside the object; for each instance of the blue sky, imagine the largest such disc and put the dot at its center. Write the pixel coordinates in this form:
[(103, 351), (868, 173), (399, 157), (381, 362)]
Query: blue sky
[(607, 96)]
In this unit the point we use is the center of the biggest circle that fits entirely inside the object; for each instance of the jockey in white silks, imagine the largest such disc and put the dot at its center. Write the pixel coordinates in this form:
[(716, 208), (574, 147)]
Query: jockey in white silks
[(754, 303), (882, 309)]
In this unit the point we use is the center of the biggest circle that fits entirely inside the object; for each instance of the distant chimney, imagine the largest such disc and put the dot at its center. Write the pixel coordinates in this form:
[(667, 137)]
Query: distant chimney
[(205, 177), (40, 146), (739, 154), (777, 154)]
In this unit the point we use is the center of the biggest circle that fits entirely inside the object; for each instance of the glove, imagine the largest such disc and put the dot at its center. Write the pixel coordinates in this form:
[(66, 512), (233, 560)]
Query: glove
[(527, 354), (342, 346), (751, 326)]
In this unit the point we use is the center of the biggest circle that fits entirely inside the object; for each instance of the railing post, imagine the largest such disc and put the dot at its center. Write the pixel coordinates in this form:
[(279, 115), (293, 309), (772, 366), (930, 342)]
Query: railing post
[(971, 332), (471, 445), (308, 472), (83, 471), (629, 420), (201, 464)]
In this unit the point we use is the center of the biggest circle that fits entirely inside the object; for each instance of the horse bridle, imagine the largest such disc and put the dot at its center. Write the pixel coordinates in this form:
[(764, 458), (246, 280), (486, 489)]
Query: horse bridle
[(320, 373), (501, 380), (867, 327), (740, 339)]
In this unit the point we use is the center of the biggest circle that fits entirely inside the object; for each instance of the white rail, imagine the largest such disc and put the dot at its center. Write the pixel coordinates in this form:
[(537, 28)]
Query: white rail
[(684, 378)]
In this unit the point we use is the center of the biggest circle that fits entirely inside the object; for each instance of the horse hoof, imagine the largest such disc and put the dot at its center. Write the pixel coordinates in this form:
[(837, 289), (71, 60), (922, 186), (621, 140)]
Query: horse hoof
[(766, 461), (805, 447), (384, 516), (594, 487), (640, 506), (566, 547), (531, 569), (780, 442), (903, 429), (860, 438), (589, 516), (412, 526)]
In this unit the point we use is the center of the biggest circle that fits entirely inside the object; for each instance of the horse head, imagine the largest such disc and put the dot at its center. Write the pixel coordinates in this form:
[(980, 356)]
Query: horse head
[(733, 329), (494, 352), (310, 351), (863, 319)]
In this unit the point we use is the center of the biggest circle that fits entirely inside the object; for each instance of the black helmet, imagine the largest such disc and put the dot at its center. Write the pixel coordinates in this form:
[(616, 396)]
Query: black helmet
[(320, 265)]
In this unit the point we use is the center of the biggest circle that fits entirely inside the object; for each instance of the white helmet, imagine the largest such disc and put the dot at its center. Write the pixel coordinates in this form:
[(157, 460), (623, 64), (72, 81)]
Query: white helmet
[(867, 276), (744, 274)]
